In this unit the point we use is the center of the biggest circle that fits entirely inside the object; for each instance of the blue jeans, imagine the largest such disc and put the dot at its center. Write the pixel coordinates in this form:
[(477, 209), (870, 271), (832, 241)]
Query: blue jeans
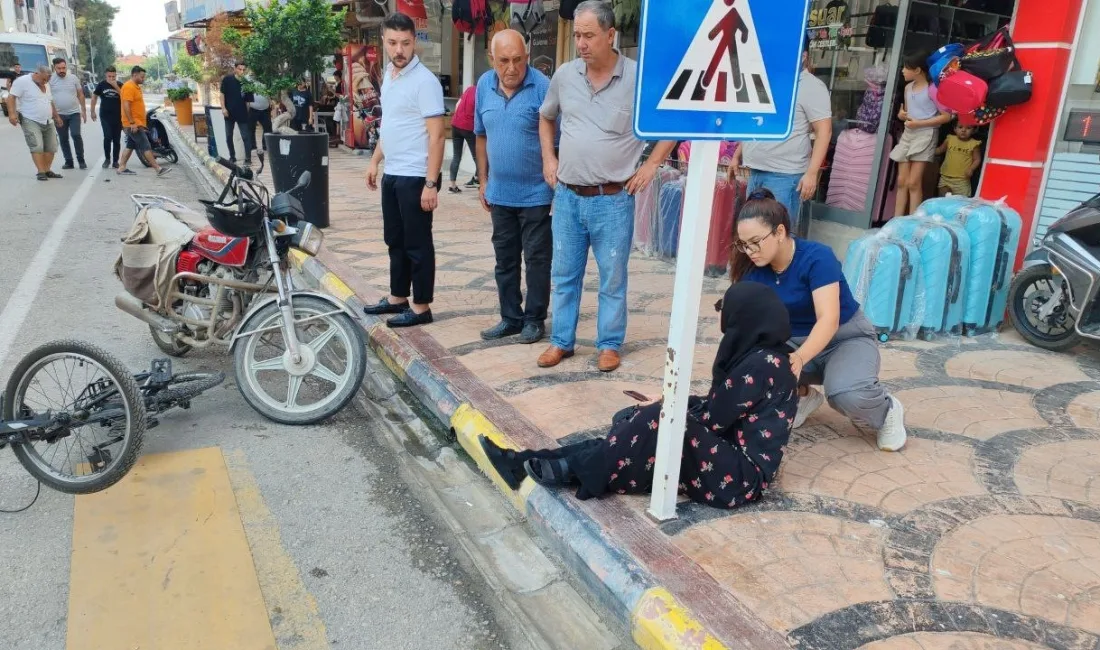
[(606, 223), (785, 189)]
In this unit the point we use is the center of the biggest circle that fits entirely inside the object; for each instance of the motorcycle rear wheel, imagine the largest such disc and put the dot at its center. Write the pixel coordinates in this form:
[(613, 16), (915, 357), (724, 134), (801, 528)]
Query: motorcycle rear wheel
[(267, 380), (1023, 305), (168, 344)]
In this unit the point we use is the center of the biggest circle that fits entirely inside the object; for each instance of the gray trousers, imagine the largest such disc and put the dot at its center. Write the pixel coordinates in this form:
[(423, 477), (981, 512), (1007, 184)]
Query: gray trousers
[(848, 369)]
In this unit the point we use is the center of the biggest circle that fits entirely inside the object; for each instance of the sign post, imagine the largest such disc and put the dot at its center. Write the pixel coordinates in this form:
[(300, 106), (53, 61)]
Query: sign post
[(709, 70)]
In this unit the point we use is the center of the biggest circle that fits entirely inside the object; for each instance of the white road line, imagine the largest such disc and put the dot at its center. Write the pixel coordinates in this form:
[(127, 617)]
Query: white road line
[(21, 300)]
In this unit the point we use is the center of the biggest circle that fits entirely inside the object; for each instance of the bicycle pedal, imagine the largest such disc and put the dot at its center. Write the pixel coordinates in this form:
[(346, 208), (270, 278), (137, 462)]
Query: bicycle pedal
[(161, 371)]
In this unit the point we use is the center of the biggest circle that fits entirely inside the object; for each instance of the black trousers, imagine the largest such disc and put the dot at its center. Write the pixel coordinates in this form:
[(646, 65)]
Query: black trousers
[(458, 137), (263, 118), (248, 138), (407, 230), (523, 233), (112, 136)]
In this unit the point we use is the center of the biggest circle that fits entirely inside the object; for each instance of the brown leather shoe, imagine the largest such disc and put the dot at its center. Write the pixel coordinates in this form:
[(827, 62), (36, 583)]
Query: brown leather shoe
[(608, 361), (553, 356)]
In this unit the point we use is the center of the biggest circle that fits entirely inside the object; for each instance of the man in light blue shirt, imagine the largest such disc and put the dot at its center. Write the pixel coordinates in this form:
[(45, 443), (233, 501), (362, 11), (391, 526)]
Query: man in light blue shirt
[(513, 190)]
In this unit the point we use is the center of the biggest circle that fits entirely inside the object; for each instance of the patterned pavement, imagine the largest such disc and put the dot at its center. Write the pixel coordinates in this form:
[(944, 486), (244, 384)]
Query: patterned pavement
[(982, 534)]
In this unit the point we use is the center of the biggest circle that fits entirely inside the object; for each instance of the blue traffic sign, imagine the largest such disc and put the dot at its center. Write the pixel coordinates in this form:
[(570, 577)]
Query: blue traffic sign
[(719, 69)]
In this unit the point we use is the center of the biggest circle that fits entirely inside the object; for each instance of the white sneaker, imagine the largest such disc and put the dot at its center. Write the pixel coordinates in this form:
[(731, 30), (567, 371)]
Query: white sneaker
[(891, 437), (807, 404)]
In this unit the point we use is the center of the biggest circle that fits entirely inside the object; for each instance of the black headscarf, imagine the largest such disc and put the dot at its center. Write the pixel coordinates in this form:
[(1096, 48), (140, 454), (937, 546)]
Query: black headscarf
[(753, 317)]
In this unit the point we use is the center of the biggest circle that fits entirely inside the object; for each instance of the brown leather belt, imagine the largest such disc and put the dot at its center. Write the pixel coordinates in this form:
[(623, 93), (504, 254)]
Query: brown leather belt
[(607, 189)]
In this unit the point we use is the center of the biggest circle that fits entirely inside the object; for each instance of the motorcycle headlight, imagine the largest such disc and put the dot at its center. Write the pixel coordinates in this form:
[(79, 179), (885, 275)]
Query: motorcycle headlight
[(309, 238)]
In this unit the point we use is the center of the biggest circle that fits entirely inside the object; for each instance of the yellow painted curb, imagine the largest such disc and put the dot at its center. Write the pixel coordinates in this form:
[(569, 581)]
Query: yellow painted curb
[(336, 287), (468, 424), (660, 622)]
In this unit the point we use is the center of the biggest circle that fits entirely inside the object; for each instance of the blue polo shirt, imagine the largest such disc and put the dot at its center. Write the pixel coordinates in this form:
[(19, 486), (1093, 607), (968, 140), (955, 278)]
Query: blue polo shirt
[(511, 128), (814, 266)]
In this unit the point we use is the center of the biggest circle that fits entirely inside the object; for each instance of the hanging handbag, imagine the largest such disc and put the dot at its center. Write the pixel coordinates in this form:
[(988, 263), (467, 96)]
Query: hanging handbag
[(942, 68), (880, 33), (990, 64), (1009, 89), (962, 92)]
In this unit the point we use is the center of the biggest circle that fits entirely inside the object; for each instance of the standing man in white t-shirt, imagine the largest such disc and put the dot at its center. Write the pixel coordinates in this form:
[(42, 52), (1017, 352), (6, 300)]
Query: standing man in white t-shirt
[(412, 146), (31, 107), (68, 97), (790, 168)]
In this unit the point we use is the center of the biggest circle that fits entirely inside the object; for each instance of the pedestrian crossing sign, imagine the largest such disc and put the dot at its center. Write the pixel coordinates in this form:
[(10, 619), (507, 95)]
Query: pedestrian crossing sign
[(719, 69)]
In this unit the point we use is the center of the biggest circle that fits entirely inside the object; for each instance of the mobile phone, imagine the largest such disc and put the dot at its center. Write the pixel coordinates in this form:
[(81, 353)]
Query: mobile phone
[(636, 395)]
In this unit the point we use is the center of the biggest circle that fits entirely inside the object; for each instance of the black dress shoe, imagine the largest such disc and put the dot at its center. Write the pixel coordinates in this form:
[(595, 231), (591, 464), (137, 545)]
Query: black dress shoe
[(83, 165), (384, 306), (67, 165), (410, 318), (500, 330), (532, 333)]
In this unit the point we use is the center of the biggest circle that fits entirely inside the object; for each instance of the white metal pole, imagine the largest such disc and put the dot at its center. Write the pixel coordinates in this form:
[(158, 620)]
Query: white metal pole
[(683, 325), (469, 44)]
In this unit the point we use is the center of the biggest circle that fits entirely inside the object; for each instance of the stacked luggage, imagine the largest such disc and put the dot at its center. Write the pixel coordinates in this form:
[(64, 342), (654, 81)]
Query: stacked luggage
[(944, 270), (647, 212)]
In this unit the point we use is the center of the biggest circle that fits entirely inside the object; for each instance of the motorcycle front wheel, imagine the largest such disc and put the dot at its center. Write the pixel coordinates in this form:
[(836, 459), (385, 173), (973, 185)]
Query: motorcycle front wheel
[(333, 362), (1031, 289)]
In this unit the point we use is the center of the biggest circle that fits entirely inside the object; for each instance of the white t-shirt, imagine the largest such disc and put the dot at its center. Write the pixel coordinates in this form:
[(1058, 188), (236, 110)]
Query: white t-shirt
[(792, 156), (407, 100), (32, 102)]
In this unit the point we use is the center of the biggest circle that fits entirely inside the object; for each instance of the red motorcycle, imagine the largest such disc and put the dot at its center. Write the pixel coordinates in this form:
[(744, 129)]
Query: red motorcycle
[(299, 355)]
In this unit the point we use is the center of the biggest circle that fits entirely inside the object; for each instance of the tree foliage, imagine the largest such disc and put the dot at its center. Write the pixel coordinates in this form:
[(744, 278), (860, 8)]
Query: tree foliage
[(289, 40), (190, 67), (93, 28)]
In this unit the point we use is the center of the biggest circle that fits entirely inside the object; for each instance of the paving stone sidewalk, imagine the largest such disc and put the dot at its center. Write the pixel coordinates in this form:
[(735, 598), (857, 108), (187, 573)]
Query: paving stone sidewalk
[(983, 533)]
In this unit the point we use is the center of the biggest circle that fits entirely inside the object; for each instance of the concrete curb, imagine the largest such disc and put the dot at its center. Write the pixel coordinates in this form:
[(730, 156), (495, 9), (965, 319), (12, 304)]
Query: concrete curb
[(654, 616)]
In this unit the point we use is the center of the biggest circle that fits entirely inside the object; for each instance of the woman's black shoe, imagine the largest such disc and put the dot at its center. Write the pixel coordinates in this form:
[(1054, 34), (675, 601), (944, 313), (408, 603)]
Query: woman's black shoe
[(504, 462), (410, 318), (384, 306)]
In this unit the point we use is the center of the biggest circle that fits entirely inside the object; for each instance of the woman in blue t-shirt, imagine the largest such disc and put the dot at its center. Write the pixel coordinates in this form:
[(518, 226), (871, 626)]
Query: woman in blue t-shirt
[(833, 343)]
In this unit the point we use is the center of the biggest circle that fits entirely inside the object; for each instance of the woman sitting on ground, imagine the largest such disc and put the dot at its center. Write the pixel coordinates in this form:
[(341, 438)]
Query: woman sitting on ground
[(834, 343), (734, 438)]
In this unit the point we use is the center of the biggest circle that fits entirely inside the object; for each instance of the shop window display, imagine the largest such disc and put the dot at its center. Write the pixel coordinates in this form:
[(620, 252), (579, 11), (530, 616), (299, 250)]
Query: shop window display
[(852, 49)]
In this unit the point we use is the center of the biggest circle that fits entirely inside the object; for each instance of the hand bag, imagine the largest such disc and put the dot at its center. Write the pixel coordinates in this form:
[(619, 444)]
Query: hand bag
[(990, 64), (962, 92), (1009, 89)]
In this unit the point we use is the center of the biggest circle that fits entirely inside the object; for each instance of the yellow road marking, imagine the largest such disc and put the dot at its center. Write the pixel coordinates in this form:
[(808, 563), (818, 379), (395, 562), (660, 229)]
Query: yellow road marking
[(160, 562), (292, 609)]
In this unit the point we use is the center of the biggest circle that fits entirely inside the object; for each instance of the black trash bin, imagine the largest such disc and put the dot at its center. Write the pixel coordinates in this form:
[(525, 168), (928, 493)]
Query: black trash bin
[(289, 156)]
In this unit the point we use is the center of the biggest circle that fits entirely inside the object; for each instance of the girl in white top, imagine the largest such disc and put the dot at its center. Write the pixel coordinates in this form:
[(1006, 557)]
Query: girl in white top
[(917, 145)]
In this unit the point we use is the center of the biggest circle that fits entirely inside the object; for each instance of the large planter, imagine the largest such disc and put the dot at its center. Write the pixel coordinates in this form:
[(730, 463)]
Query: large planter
[(184, 112)]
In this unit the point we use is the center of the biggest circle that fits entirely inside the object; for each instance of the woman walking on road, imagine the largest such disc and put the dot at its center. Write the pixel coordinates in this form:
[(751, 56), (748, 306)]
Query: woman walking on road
[(734, 438), (110, 116), (462, 132)]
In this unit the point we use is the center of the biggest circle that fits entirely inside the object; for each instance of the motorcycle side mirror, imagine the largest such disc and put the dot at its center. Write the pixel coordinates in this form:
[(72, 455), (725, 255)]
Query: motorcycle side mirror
[(303, 181)]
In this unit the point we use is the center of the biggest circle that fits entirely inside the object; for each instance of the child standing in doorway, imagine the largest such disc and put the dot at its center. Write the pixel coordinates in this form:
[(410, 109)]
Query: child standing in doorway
[(917, 145), (962, 157)]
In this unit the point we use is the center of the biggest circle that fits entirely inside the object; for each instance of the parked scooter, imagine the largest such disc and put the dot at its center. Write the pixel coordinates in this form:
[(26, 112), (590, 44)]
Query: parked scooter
[(1053, 302), (299, 356), (158, 139)]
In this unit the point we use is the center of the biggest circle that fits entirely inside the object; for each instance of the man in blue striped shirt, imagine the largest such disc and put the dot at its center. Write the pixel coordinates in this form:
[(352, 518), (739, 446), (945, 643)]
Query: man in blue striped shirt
[(513, 190)]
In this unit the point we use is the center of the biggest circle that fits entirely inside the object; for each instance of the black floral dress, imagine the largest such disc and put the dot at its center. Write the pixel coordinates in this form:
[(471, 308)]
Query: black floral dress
[(734, 441)]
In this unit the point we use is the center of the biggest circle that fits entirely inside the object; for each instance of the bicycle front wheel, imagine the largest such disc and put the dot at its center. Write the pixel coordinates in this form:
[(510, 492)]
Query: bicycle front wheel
[(99, 418)]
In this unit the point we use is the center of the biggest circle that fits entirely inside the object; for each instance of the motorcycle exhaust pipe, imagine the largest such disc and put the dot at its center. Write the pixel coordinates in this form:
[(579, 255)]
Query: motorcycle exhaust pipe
[(133, 306)]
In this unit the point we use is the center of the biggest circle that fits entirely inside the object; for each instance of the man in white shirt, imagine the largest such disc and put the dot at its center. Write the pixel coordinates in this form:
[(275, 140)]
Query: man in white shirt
[(68, 97), (31, 107), (412, 145), (259, 112)]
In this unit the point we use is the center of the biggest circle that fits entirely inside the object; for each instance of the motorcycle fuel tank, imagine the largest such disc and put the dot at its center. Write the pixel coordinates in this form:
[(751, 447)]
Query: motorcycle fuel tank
[(219, 248)]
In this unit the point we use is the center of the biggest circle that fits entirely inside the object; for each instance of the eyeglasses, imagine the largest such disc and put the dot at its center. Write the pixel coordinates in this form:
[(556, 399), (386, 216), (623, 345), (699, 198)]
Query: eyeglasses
[(753, 245)]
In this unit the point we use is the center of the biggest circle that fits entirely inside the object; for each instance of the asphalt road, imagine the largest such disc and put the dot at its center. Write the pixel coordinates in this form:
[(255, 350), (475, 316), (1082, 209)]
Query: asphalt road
[(383, 575)]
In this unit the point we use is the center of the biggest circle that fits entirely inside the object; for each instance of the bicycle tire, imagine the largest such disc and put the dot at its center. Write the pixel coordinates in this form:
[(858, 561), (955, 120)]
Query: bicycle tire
[(183, 388), (121, 463)]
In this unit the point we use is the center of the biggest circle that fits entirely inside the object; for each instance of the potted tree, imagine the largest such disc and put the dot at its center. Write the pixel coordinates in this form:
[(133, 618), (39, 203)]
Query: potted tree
[(180, 96)]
